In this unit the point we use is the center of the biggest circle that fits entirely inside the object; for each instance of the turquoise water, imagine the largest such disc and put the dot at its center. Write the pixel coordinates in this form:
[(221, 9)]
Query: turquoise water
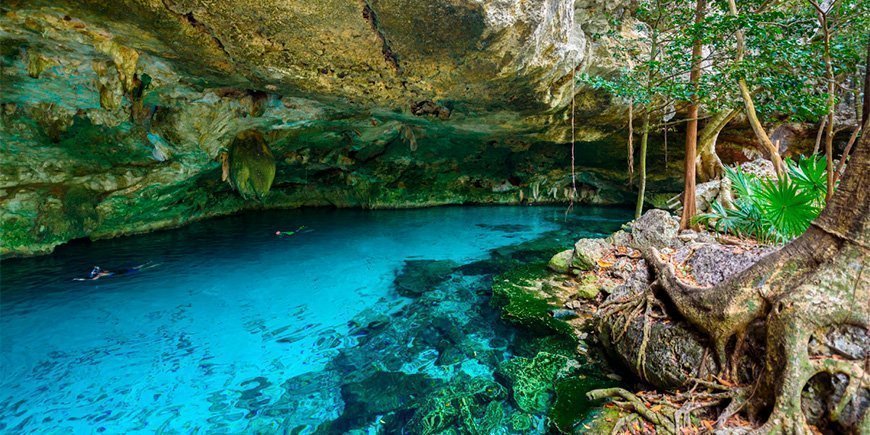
[(350, 324)]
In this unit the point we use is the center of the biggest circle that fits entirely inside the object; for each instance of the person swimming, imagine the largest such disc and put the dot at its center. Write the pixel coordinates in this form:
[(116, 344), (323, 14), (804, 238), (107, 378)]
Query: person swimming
[(289, 233), (98, 272)]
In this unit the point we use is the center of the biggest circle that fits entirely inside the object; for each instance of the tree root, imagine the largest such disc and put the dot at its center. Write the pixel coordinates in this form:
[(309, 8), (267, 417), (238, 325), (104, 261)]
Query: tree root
[(813, 304), (629, 308), (670, 413), (660, 420)]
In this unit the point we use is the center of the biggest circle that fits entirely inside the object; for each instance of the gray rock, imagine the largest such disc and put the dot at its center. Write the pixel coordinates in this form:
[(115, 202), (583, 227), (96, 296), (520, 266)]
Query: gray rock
[(657, 229), (674, 352), (713, 263), (587, 253)]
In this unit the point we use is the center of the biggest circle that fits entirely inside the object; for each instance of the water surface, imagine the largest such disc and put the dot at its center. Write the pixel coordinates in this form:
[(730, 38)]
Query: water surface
[(232, 329)]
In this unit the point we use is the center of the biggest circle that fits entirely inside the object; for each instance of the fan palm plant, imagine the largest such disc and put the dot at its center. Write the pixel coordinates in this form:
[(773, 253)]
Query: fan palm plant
[(772, 210)]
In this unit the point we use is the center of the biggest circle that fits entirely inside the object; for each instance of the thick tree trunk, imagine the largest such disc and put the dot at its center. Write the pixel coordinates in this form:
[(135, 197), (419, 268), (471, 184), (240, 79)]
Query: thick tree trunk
[(689, 210), (815, 282), (708, 165), (769, 148), (865, 106)]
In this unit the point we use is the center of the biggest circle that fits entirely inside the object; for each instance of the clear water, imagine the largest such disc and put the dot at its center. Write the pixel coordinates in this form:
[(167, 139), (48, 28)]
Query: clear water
[(232, 329)]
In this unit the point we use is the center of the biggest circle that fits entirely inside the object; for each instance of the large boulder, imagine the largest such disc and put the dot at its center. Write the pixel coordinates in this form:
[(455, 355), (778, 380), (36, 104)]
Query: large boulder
[(655, 229), (675, 352), (588, 252)]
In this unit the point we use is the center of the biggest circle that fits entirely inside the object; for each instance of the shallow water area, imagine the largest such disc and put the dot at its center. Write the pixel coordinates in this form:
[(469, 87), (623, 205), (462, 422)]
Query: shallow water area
[(354, 322)]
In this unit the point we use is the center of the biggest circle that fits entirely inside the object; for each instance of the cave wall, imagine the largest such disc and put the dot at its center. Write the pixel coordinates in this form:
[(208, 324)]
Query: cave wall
[(116, 118)]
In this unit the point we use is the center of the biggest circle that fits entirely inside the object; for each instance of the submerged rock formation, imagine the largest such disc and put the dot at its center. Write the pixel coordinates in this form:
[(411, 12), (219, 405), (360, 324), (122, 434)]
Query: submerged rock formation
[(120, 118)]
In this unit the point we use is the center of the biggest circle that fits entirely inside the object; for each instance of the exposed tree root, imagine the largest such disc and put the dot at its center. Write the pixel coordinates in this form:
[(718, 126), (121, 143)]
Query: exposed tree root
[(813, 284), (629, 308)]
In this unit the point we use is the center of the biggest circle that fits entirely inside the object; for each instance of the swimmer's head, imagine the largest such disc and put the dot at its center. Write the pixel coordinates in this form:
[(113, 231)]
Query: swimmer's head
[(277, 233)]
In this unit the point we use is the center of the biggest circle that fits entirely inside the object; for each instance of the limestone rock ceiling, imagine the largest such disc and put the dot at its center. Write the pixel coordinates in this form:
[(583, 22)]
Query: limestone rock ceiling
[(473, 55), (119, 117)]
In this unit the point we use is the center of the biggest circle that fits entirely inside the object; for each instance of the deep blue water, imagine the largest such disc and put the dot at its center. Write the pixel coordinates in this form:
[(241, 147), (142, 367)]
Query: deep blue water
[(232, 329)]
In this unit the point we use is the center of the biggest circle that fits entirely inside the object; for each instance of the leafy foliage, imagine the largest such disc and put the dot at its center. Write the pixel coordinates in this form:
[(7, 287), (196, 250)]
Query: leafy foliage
[(772, 210)]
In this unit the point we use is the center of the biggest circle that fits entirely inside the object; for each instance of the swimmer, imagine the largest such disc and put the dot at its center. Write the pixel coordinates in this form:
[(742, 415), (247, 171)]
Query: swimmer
[(98, 272), (289, 233)]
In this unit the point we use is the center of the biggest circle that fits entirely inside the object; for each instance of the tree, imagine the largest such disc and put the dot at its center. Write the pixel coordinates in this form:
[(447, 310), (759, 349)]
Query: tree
[(817, 281), (689, 209), (650, 82), (746, 95)]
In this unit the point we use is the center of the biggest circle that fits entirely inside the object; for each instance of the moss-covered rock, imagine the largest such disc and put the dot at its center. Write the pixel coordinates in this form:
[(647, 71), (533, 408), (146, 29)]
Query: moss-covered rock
[(469, 405), (532, 380), (588, 287), (252, 165), (519, 295), (561, 262)]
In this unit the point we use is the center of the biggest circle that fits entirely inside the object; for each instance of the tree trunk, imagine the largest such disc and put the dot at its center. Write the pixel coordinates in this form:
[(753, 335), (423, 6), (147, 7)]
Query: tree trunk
[(630, 142), (820, 133), (708, 165), (829, 71), (692, 127), (816, 282), (865, 106), (749, 105), (642, 187)]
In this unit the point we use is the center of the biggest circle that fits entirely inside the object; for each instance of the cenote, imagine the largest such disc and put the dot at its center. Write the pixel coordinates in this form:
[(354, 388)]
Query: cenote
[(374, 321)]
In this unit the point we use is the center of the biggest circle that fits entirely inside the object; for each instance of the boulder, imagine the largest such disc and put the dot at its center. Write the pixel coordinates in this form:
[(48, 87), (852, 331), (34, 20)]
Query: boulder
[(561, 261), (657, 229), (711, 263), (588, 288), (674, 352), (587, 253)]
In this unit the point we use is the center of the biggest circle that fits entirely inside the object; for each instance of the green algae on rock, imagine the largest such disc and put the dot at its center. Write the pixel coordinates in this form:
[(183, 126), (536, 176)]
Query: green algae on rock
[(531, 380), (518, 295), (252, 165)]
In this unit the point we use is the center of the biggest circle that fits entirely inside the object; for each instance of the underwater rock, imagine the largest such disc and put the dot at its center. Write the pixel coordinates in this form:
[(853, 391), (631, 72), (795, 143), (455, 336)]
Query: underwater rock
[(252, 165), (560, 262), (473, 404), (420, 276), (519, 296), (532, 380), (382, 393), (588, 252)]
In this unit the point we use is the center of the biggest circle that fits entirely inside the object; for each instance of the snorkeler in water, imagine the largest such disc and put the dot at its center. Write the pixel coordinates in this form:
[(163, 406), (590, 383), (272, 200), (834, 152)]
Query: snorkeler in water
[(98, 272), (289, 233)]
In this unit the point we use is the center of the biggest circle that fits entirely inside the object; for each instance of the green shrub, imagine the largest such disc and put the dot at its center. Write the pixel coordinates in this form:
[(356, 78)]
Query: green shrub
[(772, 210)]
